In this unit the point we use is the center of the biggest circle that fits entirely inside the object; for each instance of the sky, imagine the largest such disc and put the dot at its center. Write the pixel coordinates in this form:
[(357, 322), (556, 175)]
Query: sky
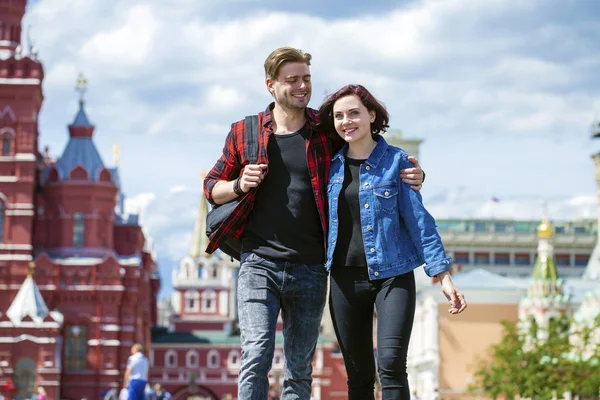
[(502, 93)]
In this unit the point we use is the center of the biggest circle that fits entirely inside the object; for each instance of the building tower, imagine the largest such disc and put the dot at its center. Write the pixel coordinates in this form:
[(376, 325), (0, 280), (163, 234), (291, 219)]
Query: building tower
[(21, 98), (592, 271), (546, 298)]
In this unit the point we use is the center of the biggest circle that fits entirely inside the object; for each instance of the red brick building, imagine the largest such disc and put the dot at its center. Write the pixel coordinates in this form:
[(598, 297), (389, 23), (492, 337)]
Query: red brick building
[(198, 355), (78, 284)]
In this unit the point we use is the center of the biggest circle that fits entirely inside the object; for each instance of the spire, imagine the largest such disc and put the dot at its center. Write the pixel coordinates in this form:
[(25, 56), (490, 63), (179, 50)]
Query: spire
[(116, 155), (28, 302), (81, 126), (200, 240), (545, 279)]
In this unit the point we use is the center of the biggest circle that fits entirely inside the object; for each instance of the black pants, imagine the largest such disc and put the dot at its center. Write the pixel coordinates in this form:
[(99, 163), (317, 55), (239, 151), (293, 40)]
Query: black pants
[(351, 302)]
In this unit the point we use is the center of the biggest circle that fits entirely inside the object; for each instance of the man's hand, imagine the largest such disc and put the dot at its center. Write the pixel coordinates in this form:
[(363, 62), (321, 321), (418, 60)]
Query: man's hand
[(413, 176), (252, 175), (455, 298)]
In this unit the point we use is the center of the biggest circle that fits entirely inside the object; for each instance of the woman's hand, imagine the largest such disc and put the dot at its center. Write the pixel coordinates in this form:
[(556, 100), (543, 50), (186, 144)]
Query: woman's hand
[(455, 298)]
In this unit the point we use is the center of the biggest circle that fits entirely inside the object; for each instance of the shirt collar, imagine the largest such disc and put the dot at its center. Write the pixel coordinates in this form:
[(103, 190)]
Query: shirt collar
[(267, 121), (376, 155)]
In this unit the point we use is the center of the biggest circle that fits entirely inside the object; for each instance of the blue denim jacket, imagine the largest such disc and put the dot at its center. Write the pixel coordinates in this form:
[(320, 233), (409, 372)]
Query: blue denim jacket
[(399, 234)]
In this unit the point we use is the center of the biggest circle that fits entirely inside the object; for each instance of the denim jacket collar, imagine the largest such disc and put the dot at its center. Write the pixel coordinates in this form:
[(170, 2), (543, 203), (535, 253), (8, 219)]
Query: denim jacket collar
[(376, 155)]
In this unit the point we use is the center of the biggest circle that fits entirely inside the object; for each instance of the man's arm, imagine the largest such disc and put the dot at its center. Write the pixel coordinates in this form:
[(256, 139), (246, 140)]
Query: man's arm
[(413, 176), (252, 175), (126, 377), (225, 171)]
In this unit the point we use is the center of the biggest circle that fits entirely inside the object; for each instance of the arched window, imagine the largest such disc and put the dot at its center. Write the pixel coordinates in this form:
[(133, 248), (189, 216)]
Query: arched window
[(171, 359), (191, 359), (233, 359), (1, 221), (278, 359), (6, 145), (209, 301), (25, 378), (76, 348), (192, 301), (213, 359), (78, 229)]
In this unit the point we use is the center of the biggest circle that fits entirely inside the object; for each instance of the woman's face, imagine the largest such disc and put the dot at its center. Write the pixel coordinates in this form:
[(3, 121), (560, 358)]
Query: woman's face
[(352, 120)]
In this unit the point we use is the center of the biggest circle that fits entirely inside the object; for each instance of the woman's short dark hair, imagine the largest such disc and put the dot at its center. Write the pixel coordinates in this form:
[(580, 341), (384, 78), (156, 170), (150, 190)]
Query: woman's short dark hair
[(378, 126)]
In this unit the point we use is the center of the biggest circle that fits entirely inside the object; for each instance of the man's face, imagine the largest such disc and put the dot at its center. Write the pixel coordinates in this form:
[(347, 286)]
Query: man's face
[(292, 88)]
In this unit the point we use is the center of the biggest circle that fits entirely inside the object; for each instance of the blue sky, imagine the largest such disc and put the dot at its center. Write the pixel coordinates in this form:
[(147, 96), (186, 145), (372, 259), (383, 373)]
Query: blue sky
[(502, 92)]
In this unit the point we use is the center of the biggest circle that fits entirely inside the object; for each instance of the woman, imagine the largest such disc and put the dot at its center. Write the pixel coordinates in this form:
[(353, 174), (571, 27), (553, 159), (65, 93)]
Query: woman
[(379, 232), (41, 393), (136, 374)]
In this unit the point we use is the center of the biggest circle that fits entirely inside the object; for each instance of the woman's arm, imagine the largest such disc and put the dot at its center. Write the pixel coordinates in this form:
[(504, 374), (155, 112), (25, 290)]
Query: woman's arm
[(421, 227)]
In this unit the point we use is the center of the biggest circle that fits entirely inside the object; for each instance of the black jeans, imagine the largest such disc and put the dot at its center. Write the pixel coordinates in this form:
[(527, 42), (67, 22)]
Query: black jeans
[(351, 301)]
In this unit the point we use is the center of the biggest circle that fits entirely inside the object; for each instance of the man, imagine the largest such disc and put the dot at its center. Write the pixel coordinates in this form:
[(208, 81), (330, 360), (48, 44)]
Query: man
[(282, 227), (161, 394), (136, 373)]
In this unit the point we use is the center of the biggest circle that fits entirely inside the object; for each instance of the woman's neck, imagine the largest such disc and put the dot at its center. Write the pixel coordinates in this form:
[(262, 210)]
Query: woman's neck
[(362, 149)]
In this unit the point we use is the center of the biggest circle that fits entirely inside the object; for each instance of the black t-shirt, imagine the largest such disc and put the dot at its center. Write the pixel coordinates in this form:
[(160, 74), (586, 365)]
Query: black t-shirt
[(284, 224), (349, 248)]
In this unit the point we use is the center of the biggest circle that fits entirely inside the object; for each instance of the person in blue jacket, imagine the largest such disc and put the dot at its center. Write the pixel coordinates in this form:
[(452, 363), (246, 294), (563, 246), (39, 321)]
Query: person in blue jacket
[(379, 232)]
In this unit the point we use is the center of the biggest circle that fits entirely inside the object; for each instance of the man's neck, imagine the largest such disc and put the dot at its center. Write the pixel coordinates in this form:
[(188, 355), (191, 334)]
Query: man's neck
[(287, 120)]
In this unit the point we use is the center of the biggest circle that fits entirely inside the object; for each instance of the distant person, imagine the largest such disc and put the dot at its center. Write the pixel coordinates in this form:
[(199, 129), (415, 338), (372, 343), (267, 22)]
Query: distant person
[(379, 232), (160, 393), (136, 374), (149, 393), (414, 395), (41, 393)]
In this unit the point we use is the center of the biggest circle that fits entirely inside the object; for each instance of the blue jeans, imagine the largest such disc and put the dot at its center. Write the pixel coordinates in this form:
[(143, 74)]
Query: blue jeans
[(264, 288)]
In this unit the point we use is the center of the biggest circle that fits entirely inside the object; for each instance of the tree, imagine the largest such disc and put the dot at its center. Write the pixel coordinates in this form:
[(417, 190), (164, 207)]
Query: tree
[(540, 369)]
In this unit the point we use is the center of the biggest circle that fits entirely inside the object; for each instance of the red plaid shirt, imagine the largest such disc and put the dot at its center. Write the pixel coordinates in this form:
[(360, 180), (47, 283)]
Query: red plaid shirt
[(229, 166)]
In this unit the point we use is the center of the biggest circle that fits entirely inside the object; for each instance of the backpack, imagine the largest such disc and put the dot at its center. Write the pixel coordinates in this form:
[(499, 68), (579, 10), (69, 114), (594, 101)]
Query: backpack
[(219, 213)]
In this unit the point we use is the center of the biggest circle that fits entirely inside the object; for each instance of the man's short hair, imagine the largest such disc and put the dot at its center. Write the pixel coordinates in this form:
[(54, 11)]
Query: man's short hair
[(282, 56), (137, 348)]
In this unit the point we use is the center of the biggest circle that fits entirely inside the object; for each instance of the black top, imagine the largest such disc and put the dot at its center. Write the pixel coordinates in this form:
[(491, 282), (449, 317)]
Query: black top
[(349, 249), (284, 224)]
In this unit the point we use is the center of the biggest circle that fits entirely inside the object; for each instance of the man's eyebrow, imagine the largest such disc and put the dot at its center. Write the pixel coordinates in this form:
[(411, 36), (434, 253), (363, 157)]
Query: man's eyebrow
[(296, 76)]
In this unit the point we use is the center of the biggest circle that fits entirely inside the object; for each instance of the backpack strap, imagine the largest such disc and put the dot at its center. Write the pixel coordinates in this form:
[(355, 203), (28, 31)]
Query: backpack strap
[(251, 151)]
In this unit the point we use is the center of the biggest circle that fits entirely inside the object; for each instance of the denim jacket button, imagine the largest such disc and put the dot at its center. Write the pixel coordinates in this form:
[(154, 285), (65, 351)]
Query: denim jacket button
[(372, 250), (368, 168), (386, 194), (369, 227), (376, 274), (367, 205)]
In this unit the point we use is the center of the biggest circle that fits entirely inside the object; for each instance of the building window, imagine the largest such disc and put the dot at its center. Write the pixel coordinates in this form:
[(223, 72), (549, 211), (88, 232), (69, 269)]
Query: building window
[(171, 359), (78, 230), (209, 301), (1, 222), (501, 259), (579, 230), (581, 260), (6, 145), (278, 359), (562, 260), (559, 230), (482, 259), (461, 258), (76, 348), (522, 227), (25, 378), (480, 227), (192, 301), (191, 359), (233, 360), (500, 227), (213, 359), (522, 259), (443, 226)]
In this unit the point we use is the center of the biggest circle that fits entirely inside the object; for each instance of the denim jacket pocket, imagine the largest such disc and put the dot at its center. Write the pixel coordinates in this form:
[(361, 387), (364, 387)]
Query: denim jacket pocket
[(386, 198)]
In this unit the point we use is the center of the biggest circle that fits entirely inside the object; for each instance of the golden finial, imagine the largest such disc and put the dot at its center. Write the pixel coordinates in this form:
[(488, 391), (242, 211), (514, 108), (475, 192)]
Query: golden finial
[(116, 155), (545, 229), (81, 87), (31, 269)]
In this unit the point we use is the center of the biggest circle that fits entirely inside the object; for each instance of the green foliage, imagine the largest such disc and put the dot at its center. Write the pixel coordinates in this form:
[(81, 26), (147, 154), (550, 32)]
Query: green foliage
[(523, 366)]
